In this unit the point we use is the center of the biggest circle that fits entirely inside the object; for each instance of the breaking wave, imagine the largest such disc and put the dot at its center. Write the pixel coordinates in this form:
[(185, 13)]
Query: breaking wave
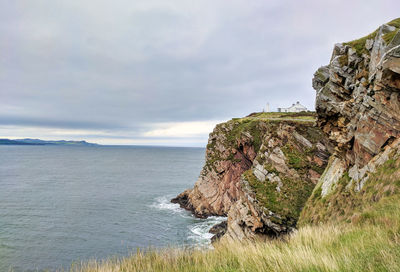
[(164, 203), (198, 228)]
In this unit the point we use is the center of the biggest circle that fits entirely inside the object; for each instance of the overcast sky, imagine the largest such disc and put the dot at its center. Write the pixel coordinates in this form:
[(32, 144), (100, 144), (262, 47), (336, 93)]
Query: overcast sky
[(160, 72)]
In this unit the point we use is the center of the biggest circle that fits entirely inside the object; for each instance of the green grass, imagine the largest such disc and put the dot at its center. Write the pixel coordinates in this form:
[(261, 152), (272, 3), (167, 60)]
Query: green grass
[(395, 23), (283, 116), (343, 60), (298, 159), (256, 128), (359, 44), (288, 202), (255, 125)]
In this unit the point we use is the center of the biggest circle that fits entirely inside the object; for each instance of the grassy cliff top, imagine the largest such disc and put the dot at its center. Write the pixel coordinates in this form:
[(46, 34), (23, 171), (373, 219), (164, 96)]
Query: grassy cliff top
[(257, 123), (280, 116)]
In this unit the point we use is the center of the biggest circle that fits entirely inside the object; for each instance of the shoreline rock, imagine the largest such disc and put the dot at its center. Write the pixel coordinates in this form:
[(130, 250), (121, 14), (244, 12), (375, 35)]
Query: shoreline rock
[(218, 230)]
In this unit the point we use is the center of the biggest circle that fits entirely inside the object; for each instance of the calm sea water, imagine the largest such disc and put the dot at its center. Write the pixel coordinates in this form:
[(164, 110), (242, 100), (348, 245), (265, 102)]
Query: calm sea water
[(61, 204)]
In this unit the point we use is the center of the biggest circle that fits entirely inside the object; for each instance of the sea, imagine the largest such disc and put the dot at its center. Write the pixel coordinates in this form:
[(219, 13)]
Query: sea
[(63, 205)]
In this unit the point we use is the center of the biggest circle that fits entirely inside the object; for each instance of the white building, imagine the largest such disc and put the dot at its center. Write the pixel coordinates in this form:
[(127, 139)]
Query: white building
[(294, 108)]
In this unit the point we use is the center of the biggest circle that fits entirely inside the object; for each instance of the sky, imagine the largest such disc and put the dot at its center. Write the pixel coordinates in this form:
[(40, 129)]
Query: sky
[(160, 72)]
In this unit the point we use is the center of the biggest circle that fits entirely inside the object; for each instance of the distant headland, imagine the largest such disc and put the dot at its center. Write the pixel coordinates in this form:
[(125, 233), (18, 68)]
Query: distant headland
[(29, 141)]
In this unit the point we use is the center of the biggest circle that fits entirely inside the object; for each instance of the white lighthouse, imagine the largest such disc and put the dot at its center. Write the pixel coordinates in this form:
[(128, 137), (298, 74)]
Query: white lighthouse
[(267, 108)]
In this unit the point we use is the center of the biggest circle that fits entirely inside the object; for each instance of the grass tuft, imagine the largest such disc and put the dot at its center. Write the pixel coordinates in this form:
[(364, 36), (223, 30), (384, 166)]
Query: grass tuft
[(388, 37)]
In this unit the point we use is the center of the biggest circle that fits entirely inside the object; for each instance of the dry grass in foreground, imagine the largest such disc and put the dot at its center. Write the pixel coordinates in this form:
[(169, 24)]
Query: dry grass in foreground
[(372, 246)]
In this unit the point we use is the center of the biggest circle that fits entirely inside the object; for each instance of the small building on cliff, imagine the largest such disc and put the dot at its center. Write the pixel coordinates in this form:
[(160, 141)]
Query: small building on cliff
[(294, 108)]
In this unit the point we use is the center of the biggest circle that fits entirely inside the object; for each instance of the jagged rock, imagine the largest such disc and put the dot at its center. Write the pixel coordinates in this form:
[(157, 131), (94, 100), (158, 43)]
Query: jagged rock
[(359, 109), (218, 230)]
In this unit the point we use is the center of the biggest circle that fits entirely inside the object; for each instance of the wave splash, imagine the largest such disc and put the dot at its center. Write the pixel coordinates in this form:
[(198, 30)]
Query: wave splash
[(198, 229), (164, 203)]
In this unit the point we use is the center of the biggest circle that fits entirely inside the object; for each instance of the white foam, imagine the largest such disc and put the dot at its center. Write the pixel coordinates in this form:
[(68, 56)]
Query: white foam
[(200, 230), (164, 203)]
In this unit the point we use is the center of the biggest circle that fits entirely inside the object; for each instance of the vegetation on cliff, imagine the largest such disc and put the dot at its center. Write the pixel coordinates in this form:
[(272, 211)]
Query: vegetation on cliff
[(271, 157), (288, 202), (231, 150), (256, 124), (357, 106), (285, 173)]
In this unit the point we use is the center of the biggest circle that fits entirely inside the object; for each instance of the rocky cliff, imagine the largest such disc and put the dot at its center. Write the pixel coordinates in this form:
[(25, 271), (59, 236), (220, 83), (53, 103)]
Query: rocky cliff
[(358, 107), (259, 172)]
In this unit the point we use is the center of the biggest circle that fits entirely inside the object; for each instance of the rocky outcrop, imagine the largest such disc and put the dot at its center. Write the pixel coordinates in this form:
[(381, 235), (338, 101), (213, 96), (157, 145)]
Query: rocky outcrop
[(259, 172), (218, 230), (358, 107)]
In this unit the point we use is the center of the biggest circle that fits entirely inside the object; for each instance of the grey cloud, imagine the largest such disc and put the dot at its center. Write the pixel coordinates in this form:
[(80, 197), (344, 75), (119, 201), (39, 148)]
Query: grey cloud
[(125, 65)]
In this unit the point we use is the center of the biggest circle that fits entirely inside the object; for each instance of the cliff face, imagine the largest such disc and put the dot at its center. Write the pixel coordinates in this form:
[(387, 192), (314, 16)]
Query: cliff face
[(231, 149), (259, 171), (290, 161), (358, 107)]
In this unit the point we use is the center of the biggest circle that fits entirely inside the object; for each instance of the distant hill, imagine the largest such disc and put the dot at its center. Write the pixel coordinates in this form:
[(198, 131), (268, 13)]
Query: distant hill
[(15, 142), (28, 141)]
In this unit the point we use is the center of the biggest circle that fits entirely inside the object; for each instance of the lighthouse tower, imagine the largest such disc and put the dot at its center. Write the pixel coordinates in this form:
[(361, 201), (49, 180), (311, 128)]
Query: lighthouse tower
[(267, 108)]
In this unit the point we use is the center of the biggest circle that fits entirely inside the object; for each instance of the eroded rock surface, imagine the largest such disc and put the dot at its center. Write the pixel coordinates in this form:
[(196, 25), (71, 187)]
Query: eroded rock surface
[(358, 107)]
